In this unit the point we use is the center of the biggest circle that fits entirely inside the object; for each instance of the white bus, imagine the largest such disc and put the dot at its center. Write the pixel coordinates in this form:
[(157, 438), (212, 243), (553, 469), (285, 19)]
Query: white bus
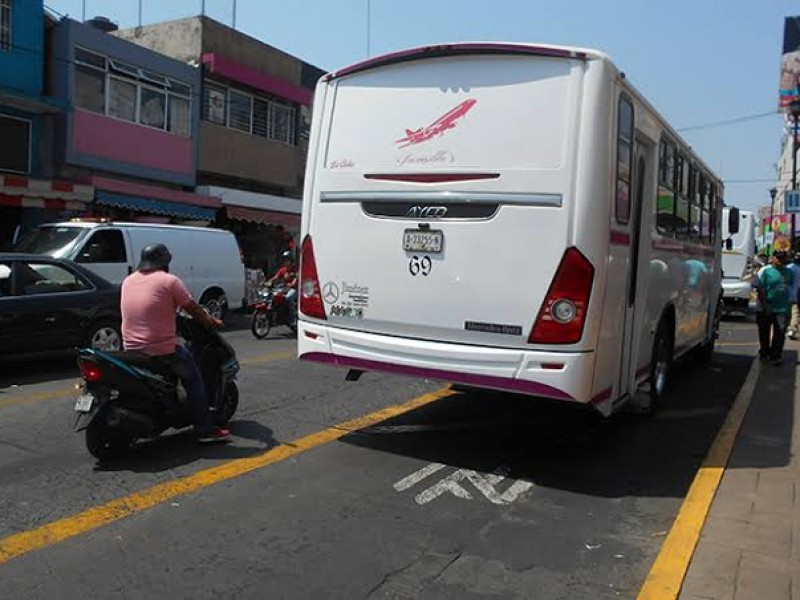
[(505, 216), (738, 262)]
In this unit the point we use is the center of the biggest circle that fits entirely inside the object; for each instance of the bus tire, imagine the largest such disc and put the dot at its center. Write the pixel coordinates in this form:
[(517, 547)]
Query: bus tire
[(706, 353), (661, 363)]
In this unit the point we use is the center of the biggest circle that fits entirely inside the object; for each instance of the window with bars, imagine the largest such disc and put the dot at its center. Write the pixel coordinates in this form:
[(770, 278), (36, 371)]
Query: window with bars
[(123, 91), (5, 25), (249, 113)]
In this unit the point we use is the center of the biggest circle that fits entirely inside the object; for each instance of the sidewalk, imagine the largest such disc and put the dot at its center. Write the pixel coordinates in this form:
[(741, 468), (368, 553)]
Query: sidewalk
[(750, 544)]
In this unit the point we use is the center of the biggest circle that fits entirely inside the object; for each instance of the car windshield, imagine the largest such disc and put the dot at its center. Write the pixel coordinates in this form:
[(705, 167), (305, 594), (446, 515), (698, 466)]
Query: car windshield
[(52, 240)]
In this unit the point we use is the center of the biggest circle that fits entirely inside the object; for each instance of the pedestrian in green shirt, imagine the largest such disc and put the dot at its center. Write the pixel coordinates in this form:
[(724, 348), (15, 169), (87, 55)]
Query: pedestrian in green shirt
[(773, 287)]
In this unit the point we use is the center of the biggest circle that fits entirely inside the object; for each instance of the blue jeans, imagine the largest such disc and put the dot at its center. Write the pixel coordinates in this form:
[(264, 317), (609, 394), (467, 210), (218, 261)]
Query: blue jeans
[(291, 298), (183, 365)]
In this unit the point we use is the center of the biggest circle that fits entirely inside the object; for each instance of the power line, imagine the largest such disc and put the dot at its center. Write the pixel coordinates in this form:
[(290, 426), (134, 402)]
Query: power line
[(730, 121)]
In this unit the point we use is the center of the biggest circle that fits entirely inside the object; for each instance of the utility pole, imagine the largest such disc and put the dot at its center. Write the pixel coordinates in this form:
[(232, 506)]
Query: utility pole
[(369, 25)]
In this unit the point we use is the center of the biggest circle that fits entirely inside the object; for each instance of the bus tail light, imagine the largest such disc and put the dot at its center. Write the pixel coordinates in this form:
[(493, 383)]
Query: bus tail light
[(311, 303), (563, 313)]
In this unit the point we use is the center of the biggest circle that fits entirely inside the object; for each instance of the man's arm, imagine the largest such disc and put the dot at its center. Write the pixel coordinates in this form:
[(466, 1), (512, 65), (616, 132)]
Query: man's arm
[(199, 313), (184, 300)]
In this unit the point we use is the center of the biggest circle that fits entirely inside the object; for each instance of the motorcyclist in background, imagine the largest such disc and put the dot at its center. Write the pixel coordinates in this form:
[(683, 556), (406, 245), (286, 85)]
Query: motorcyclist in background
[(150, 299), (287, 276)]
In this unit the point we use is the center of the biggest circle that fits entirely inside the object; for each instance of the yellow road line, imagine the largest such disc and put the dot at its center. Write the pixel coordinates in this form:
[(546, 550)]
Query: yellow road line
[(63, 392), (36, 397), (18, 544), (669, 569)]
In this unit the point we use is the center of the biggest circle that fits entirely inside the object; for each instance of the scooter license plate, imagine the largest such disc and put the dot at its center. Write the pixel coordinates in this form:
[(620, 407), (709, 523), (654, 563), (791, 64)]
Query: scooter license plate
[(84, 403)]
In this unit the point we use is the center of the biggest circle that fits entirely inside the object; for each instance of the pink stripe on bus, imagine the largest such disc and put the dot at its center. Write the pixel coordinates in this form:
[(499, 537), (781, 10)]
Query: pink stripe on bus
[(489, 381)]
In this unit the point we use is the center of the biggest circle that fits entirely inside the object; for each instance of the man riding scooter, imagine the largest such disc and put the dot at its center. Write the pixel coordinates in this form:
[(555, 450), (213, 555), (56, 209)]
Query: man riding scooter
[(151, 297), (287, 276)]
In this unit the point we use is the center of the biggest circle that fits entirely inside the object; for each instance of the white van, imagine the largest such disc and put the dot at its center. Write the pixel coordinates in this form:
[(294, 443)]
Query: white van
[(505, 216), (738, 262), (207, 260)]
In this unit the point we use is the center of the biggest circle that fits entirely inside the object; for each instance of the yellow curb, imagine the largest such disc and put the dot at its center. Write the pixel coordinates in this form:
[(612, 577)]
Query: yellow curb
[(672, 563)]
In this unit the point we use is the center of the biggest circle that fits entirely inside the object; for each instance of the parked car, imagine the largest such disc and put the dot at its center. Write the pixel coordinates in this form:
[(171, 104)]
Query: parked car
[(49, 304), (208, 260)]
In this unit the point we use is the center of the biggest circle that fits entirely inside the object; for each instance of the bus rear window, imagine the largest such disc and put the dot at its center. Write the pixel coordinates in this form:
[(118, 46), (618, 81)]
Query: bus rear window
[(485, 112)]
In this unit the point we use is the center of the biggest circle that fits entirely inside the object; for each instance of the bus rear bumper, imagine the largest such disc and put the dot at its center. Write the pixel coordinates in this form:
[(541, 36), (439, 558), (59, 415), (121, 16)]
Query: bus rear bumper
[(556, 375)]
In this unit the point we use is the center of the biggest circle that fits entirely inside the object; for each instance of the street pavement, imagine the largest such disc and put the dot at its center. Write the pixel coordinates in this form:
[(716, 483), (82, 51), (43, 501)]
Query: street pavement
[(457, 495)]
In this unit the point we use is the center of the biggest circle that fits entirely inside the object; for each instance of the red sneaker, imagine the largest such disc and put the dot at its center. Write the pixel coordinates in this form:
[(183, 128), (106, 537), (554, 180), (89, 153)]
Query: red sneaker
[(214, 435)]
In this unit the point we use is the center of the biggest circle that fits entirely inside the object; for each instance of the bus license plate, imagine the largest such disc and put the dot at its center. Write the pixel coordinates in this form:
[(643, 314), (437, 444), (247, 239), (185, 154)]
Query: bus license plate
[(84, 403), (416, 240)]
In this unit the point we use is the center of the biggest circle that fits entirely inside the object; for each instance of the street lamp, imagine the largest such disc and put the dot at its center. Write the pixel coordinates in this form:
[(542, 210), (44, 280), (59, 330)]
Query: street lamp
[(772, 193), (794, 110)]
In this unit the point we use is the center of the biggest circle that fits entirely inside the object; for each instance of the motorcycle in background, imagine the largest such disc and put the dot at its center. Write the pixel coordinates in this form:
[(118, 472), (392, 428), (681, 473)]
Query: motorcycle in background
[(270, 310)]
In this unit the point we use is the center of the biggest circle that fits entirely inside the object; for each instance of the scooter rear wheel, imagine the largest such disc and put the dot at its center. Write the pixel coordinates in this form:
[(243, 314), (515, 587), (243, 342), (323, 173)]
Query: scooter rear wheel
[(104, 443), (230, 402), (259, 324)]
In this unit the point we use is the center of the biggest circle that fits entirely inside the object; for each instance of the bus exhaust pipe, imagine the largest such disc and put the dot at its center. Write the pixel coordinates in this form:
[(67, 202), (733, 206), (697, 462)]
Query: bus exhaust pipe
[(353, 375)]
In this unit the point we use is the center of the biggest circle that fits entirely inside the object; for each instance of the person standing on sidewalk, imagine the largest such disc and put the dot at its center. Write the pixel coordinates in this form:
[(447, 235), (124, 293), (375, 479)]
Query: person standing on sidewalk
[(773, 286), (794, 324)]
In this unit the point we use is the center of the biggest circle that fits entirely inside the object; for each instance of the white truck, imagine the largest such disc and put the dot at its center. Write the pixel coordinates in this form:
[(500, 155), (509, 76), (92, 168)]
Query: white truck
[(738, 262), (207, 260)]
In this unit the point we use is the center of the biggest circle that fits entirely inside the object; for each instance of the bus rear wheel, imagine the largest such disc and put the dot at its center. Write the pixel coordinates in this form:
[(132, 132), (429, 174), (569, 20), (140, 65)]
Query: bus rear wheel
[(660, 363)]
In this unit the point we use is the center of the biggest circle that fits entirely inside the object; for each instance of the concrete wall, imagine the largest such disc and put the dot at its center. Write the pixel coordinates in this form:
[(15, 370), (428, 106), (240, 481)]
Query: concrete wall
[(249, 157), (250, 52), (179, 39)]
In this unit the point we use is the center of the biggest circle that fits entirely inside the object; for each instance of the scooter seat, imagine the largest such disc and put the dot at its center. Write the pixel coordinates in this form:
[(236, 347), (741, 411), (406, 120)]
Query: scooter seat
[(142, 361)]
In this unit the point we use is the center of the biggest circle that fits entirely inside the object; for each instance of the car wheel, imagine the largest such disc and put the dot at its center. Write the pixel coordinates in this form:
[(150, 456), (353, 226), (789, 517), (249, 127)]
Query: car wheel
[(215, 303), (104, 335)]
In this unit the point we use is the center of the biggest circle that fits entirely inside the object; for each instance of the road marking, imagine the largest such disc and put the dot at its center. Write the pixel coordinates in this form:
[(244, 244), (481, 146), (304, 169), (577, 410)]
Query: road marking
[(669, 569), (737, 343), (18, 544), (63, 392), (483, 482)]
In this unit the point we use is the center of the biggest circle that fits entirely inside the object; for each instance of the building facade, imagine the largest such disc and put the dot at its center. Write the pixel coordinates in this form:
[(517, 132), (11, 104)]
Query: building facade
[(29, 193), (132, 130), (255, 116)]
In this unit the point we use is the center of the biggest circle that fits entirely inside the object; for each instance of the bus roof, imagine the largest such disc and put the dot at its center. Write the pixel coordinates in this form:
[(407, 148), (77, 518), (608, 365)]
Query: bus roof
[(452, 49)]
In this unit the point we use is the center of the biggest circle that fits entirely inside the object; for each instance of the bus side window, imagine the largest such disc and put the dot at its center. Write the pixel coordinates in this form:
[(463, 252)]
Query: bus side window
[(622, 201), (695, 213), (665, 197), (712, 202), (681, 201), (705, 206)]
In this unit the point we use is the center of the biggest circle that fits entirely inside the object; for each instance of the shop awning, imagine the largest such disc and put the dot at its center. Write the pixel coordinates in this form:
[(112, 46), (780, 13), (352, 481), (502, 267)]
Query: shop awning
[(49, 194), (159, 207), (267, 217)]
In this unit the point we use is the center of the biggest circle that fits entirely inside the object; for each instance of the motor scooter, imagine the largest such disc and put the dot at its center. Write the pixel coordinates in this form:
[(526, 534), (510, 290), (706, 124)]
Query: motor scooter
[(125, 396)]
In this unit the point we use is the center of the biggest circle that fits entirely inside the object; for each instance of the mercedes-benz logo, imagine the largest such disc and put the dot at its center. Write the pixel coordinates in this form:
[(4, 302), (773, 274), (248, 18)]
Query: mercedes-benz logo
[(330, 293)]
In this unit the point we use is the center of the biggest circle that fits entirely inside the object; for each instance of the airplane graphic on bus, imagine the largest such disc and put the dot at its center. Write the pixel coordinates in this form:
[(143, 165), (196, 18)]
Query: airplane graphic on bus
[(447, 121)]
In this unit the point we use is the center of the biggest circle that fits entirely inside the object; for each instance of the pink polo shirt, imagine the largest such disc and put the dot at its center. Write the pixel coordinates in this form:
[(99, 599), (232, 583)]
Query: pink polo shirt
[(149, 303)]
